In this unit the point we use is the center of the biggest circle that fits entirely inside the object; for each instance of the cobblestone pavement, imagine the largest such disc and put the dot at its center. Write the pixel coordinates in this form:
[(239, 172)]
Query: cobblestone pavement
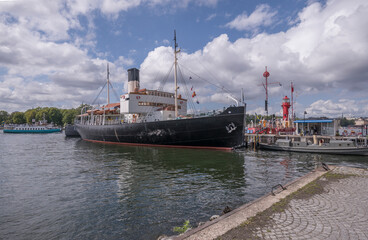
[(340, 212)]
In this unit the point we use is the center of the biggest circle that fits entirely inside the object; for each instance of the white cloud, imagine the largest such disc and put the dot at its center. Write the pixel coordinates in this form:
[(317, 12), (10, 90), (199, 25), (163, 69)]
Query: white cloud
[(124, 61), (336, 109), (42, 16), (262, 16), (210, 17), (326, 54)]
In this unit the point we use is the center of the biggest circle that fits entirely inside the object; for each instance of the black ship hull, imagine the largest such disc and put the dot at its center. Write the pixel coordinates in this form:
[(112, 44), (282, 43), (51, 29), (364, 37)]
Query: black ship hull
[(71, 131), (225, 130)]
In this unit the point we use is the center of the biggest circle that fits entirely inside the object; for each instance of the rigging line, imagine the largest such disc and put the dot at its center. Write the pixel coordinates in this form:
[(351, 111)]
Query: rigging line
[(153, 98), (99, 93), (166, 78), (89, 101), (113, 90), (182, 80), (219, 87), (189, 96), (214, 77)]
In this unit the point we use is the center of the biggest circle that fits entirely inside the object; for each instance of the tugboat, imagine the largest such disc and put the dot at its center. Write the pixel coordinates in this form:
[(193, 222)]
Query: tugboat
[(157, 118)]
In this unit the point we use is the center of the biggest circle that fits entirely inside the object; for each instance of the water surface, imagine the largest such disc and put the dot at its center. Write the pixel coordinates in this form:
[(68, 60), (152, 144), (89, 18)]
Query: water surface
[(52, 187)]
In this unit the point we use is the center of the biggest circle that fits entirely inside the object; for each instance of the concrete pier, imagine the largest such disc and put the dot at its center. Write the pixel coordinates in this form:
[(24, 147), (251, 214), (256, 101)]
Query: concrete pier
[(324, 204)]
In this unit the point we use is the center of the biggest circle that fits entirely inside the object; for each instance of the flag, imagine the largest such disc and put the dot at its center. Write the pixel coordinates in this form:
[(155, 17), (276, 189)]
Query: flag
[(292, 89), (191, 89), (194, 94), (197, 102)]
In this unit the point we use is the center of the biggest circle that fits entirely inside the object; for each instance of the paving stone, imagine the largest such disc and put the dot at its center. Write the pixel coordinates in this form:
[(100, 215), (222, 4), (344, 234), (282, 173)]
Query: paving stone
[(338, 213)]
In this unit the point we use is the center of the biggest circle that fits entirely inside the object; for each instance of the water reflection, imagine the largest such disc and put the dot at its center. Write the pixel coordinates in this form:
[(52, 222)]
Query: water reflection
[(69, 188), (171, 185)]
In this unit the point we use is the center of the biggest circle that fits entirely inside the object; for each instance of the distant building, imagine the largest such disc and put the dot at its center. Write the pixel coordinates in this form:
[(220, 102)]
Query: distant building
[(361, 122)]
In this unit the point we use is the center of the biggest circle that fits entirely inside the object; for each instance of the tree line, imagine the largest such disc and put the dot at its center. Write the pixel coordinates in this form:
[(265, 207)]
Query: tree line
[(57, 116)]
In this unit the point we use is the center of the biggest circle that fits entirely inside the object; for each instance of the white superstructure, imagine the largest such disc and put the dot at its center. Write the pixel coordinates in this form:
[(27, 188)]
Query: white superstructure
[(148, 105)]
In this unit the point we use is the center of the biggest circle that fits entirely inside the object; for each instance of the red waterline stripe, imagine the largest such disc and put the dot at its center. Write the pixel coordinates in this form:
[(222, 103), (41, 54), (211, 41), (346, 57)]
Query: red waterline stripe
[(158, 145)]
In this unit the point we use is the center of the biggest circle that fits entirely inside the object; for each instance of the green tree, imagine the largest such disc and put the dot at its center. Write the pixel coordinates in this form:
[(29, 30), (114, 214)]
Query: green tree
[(29, 115), (41, 113), (55, 116), (344, 122), (84, 107), (68, 116), (18, 118), (4, 117)]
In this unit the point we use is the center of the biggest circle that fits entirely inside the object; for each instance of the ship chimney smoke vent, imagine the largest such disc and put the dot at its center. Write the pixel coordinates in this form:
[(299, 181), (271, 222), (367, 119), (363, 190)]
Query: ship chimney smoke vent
[(133, 80)]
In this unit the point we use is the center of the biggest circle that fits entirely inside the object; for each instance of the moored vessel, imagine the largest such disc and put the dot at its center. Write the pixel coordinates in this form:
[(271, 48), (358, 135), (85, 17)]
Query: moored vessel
[(71, 131), (30, 129), (340, 147), (154, 117)]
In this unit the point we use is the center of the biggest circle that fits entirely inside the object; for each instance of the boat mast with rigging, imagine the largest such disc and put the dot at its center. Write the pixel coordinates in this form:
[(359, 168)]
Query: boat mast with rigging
[(176, 74)]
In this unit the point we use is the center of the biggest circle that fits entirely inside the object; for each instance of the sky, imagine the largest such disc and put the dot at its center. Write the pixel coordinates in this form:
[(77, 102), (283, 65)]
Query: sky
[(55, 53)]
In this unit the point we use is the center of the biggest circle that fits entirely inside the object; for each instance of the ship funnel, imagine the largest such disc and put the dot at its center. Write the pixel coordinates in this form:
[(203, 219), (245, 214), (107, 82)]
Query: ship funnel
[(133, 80)]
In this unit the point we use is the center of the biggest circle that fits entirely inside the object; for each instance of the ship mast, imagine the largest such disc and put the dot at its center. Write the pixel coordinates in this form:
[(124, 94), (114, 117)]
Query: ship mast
[(108, 84), (175, 76), (292, 102)]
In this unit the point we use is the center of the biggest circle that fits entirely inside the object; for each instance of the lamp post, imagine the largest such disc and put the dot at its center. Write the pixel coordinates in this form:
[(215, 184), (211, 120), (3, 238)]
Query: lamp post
[(305, 112)]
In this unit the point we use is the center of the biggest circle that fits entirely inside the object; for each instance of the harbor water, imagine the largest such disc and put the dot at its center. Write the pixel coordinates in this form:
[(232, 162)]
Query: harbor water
[(53, 187)]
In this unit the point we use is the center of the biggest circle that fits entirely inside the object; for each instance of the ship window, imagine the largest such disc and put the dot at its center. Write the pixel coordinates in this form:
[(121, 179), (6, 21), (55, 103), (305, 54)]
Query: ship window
[(348, 144)]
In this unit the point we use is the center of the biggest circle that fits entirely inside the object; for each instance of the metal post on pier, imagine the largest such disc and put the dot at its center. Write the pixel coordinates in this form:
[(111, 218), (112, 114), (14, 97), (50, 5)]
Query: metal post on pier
[(254, 143), (305, 112)]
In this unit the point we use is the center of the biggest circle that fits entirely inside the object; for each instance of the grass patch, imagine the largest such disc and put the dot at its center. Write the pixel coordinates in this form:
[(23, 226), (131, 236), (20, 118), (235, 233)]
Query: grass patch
[(182, 229), (337, 176)]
